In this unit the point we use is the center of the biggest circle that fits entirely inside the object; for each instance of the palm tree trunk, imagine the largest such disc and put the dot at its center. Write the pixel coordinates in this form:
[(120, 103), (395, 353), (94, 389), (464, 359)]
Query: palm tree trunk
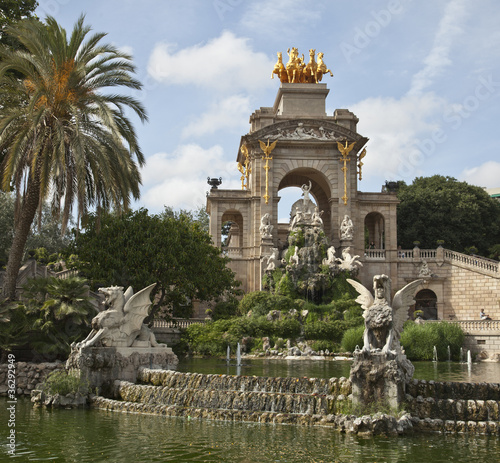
[(27, 214)]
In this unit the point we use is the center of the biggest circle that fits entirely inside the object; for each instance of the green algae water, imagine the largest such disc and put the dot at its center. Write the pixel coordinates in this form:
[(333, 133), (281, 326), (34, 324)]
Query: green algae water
[(436, 371), (96, 435)]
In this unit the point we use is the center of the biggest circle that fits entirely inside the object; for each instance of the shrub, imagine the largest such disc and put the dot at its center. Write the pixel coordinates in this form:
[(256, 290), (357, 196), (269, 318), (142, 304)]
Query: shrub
[(324, 345), (419, 340), (224, 309), (261, 303), (329, 331), (287, 328), (353, 337), (63, 383)]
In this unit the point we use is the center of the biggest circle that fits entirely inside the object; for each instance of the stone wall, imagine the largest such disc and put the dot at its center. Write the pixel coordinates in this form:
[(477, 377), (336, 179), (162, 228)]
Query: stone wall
[(28, 375), (430, 406)]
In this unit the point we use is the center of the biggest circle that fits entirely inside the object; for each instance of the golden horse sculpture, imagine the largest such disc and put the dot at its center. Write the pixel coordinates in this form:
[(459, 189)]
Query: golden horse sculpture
[(296, 71)]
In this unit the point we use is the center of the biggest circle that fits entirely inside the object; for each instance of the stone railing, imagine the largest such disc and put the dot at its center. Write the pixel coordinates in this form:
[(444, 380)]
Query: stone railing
[(479, 263), (178, 322), (474, 326), (472, 261), (232, 252), (375, 254), (65, 274)]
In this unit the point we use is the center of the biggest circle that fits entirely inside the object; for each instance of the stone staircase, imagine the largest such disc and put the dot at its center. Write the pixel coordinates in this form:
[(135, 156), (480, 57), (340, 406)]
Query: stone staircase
[(454, 407), (236, 398)]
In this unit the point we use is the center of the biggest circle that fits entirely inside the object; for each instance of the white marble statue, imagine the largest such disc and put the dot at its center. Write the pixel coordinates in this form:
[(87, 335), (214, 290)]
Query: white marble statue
[(424, 271), (121, 324), (305, 193), (316, 219), (330, 259), (272, 261), (294, 260), (383, 322), (266, 227), (348, 262), (346, 228)]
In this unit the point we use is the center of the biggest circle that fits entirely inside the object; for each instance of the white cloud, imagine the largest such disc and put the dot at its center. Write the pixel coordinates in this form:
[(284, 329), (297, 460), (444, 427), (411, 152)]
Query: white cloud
[(231, 112), (396, 128), (486, 175), (438, 58), (280, 17), (126, 49), (179, 179), (225, 63)]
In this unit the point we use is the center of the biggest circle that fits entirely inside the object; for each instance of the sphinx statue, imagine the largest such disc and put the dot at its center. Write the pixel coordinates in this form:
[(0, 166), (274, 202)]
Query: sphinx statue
[(121, 324)]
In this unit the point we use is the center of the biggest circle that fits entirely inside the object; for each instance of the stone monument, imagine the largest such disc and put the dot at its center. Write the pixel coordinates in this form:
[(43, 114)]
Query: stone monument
[(380, 370), (119, 343)]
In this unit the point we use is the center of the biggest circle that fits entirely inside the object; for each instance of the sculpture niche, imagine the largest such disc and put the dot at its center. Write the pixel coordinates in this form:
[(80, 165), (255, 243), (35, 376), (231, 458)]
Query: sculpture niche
[(380, 369), (121, 324)]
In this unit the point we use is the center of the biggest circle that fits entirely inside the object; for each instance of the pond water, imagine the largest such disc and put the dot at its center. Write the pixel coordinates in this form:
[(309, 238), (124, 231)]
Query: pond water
[(437, 371), (95, 435)]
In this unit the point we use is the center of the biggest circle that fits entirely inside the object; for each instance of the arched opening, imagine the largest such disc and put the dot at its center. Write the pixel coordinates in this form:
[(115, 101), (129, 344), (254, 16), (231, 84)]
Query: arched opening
[(232, 233), (291, 185), (374, 231), (426, 301)]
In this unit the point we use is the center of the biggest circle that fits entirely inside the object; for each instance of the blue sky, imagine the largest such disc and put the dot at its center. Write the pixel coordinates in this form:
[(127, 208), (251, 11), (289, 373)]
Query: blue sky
[(422, 76)]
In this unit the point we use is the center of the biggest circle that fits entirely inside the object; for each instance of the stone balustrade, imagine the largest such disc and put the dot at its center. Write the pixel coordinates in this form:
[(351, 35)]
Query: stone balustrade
[(178, 322)]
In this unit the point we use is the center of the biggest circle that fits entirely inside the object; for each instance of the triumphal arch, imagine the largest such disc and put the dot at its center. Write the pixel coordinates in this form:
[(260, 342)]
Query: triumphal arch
[(296, 143)]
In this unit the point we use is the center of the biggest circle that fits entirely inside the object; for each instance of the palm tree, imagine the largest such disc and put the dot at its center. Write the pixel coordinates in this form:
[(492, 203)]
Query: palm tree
[(61, 137)]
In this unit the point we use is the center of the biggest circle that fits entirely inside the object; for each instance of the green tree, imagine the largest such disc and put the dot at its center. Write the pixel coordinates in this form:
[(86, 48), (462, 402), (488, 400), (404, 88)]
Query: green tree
[(442, 208), (138, 249), (44, 234), (12, 11), (60, 132), (54, 314), (6, 225)]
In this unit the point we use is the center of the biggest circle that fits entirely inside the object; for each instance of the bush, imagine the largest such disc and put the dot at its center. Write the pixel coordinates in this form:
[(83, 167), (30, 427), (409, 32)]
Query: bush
[(329, 331), (63, 383), (419, 340), (262, 302), (224, 309), (353, 337), (287, 328), (324, 345)]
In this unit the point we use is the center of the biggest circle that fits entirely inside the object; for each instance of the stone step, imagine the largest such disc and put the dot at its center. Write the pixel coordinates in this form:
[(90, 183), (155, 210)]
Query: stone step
[(457, 391), (273, 402), (454, 409), (174, 379)]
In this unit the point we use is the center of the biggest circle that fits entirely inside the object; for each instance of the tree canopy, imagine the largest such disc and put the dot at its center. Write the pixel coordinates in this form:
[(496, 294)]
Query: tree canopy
[(61, 136), (12, 11), (139, 249), (442, 208)]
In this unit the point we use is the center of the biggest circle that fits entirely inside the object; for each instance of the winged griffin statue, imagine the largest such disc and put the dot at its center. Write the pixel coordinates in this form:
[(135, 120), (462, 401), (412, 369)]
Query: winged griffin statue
[(121, 324), (383, 322)]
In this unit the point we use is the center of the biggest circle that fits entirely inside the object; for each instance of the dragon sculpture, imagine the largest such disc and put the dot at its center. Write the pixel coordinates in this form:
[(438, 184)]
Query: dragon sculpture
[(121, 324)]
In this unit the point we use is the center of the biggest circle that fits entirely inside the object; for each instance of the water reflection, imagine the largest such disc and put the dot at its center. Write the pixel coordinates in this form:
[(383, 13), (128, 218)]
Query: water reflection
[(91, 435), (437, 371)]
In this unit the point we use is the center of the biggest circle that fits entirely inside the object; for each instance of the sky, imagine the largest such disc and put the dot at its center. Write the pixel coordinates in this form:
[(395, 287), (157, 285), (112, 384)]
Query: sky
[(423, 77)]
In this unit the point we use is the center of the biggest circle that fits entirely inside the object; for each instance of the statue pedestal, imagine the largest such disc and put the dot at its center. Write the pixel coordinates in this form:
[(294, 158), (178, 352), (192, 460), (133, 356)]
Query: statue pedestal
[(379, 378), (101, 366)]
